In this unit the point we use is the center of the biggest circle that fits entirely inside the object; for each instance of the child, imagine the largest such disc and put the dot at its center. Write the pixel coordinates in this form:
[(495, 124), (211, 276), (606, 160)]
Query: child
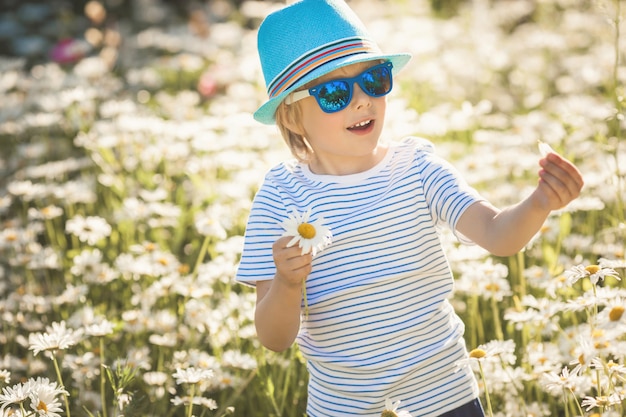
[(378, 325)]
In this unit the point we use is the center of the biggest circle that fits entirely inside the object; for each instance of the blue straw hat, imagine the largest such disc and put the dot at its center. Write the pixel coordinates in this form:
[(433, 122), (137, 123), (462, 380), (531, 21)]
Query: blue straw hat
[(308, 39)]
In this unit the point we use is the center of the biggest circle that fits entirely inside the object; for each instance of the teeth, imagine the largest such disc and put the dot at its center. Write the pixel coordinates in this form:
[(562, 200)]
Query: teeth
[(364, 123)]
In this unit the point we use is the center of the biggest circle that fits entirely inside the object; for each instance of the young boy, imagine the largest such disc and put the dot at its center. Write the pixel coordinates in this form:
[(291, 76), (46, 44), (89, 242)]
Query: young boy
[(379, 325)]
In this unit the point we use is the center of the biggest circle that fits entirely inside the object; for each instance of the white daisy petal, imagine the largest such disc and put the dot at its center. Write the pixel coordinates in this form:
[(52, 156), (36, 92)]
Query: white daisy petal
[(293, 241), (545, 149)]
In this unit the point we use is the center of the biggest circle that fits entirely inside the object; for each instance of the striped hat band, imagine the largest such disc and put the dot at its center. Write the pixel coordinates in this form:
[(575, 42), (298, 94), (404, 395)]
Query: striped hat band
[(316, 58)]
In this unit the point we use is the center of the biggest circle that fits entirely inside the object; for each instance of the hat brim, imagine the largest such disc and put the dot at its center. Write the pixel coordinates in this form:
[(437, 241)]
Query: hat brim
[(266, 113)]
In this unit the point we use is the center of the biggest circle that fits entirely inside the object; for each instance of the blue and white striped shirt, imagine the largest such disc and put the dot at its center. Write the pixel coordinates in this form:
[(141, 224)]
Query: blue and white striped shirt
[(379, 323)]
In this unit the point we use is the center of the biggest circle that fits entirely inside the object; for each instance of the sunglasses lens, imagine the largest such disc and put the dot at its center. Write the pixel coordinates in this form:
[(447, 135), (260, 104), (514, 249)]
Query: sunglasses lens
[(377, 81), (333, 96)]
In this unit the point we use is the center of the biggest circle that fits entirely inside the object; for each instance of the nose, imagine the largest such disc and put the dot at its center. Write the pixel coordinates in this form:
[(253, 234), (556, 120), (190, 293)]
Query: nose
[(360, 98)]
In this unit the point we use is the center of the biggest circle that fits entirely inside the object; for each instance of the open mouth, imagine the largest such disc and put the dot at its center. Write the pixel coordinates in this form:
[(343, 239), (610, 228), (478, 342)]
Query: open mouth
[(361, 125)]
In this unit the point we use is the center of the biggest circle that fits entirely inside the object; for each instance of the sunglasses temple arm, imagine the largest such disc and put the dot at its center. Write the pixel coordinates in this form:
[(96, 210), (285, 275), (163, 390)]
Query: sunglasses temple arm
[(296, 96)]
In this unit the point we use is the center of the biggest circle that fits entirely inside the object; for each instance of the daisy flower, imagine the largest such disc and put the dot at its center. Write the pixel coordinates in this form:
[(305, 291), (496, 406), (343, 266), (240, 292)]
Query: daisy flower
[(209, 403), (311, 236), (192, 375), (5, 376), (598, 273), (89, 229), (555, 383), (44, 398), (102, 328), (391, 410), (57, 336), (15, 395), (595, 273), (602, 401)]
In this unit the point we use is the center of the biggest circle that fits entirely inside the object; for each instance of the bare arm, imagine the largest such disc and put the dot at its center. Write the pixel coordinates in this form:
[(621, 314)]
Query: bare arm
[(505, 232), (277, 315)]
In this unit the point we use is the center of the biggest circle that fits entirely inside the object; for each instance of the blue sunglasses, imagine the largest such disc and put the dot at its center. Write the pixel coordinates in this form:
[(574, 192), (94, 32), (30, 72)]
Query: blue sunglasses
[(335, 95)]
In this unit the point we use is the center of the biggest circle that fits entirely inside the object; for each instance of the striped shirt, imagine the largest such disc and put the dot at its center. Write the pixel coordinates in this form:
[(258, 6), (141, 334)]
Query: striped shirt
[(379, 323)]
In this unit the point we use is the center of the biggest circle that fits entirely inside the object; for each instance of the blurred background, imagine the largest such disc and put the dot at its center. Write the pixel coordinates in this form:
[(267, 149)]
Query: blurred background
[(36, 29), (129, 159)]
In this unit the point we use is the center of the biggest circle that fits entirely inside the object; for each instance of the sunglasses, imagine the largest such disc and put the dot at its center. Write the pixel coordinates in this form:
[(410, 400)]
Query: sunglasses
[(335, 95)]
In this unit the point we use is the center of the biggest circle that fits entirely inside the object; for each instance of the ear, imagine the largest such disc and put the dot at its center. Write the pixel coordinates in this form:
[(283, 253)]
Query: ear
[(292, 122), (290, 117)]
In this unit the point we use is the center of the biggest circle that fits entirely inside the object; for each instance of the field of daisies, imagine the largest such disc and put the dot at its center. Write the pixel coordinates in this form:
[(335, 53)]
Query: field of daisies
[(128, 162)]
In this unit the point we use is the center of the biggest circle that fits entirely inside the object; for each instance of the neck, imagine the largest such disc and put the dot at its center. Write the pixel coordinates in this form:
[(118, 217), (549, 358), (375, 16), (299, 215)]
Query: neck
[(347, 165)]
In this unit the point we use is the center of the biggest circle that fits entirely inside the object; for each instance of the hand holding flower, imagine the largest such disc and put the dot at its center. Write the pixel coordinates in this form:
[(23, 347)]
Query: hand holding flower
[(559, 180), (311, 237), (292, 268)]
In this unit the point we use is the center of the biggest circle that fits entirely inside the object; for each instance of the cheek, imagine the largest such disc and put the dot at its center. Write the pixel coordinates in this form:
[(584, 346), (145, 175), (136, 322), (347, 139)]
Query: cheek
[(313, 118)]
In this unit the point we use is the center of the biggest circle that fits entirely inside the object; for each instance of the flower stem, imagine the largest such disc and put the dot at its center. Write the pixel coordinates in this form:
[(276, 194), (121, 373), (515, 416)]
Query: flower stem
[(580, 410), (102, 379), (201, 255), (60, 378), (306, 302), (496, 318), (192, 392), (488, 399)]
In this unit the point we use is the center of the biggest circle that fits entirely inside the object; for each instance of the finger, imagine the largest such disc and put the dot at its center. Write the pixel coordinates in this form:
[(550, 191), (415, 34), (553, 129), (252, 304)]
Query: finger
[(290, 257), (560, 183), (566, 166), (282, 242), (556, 190), (565, 172), (295, 269)]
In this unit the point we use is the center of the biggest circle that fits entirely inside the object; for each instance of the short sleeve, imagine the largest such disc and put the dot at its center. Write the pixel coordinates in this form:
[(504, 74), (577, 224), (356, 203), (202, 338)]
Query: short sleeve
[(447, 193), (262, 230)]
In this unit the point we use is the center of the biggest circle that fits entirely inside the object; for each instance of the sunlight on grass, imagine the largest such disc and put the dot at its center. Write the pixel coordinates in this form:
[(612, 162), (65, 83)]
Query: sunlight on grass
[(125, 187)]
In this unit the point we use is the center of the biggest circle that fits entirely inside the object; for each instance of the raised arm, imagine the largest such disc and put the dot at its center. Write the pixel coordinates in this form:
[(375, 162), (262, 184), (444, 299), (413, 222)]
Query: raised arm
[(277, 315), (505, 232)]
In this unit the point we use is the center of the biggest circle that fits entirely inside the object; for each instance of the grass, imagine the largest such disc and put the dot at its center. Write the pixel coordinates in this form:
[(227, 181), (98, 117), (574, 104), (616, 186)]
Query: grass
[(155, 180)]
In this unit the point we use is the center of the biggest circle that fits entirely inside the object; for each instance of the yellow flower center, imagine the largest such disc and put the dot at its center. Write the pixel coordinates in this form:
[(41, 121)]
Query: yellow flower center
[(616, 313), (592, 269), (477, 353), (601, 345), (602, 400), (42, 406), (306, 230), (388, 413)]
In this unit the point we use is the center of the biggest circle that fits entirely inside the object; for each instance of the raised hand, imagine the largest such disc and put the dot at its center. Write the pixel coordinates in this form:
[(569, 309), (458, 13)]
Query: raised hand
[(559, 182)]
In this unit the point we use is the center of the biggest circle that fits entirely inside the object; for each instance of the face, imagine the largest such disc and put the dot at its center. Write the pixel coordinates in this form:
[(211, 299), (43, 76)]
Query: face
[(344, 142)]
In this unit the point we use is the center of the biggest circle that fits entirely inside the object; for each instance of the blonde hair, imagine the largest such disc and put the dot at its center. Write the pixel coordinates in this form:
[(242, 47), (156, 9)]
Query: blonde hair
[(291, 115)]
